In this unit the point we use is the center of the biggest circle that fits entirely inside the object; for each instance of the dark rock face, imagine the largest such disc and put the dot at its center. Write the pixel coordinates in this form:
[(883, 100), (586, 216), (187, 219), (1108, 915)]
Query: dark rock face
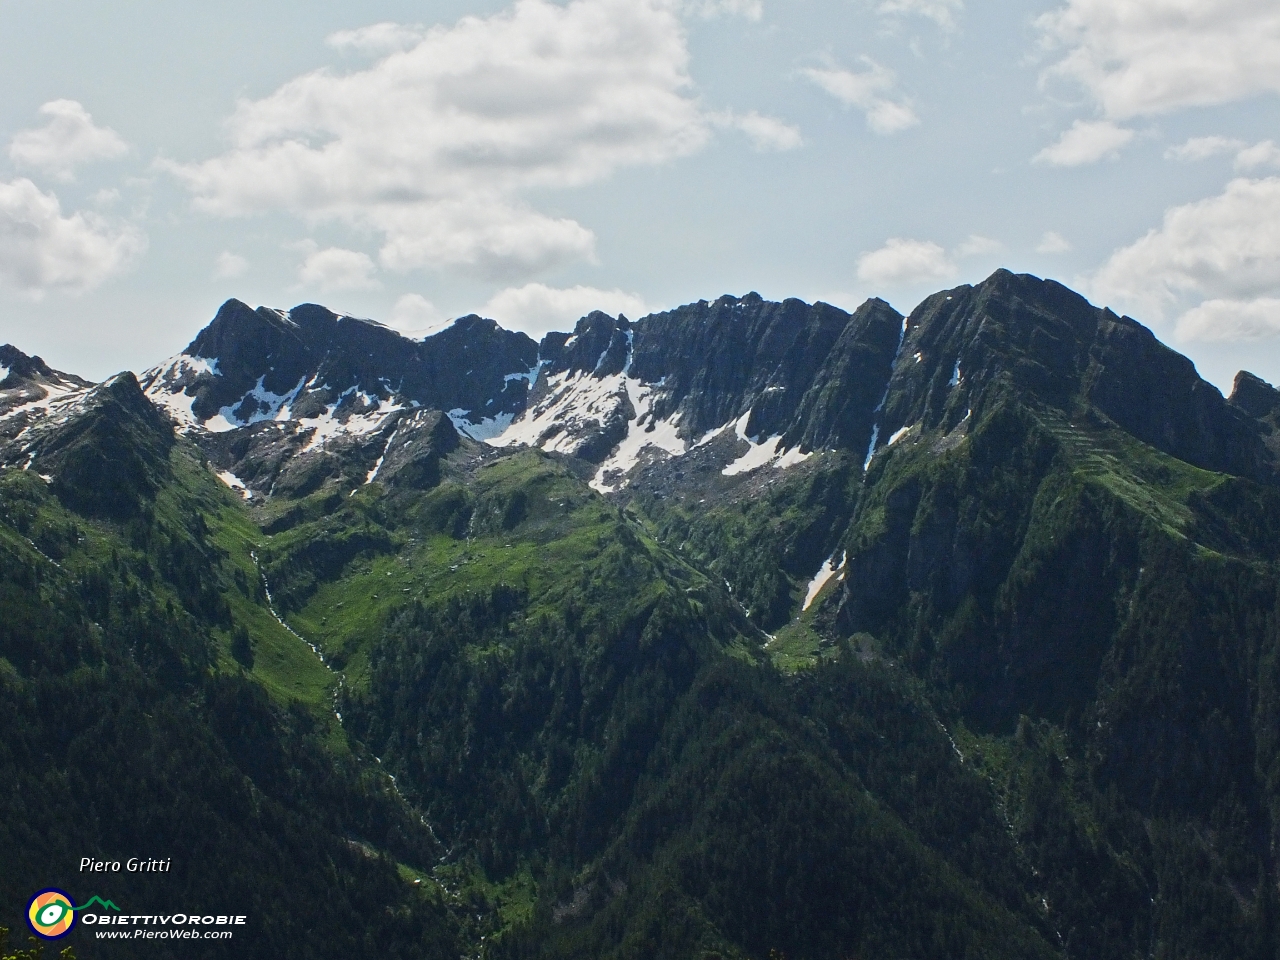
[(721, 359), (320, 360), (811, 374), (30, 378), (1254, 395), (112, 454), (1019, 336)]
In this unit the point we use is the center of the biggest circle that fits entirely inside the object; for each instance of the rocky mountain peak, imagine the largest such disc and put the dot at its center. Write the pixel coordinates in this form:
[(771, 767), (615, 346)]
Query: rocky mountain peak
[(1036, 340), (1254, 395)]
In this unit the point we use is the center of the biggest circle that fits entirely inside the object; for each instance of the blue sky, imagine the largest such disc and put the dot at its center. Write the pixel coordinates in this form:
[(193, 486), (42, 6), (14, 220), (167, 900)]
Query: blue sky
[(533, 160)]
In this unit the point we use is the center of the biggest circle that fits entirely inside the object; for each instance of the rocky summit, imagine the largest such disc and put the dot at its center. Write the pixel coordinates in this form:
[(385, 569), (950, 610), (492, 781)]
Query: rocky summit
[(742, 630)]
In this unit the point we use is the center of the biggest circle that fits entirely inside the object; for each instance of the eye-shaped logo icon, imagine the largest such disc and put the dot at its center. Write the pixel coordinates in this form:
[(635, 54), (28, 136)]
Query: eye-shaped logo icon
[(51, 914)]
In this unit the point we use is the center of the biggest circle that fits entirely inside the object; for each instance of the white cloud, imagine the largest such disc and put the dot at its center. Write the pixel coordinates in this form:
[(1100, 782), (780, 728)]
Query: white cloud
[(377, 38), (1053, 243), (1088, 141), (229, 265), (709, 9), (975, 246), (336, 269), (905, 263), (42, 250), (765, 133), (1202, 148), (1231, 320), (940, 12), (537, 309), (870, 91), (415, 315), (69, 139), (435, 146), (1142, 57), (1208, 260), (1264, 154)]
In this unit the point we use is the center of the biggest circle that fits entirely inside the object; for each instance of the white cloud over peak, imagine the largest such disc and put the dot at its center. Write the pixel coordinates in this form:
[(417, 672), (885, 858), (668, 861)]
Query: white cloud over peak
[(975, 246), (1264, 154), (538, 309), (765, 133), (709, 9), (1231, 320), (1248, 156), (41, 250), (336, 269), (415, 315), (1142, 57), (69, 139), (376, 39), (941, 12), (1052, 243), (871, 91), (1088, 141), (229, 265), (1208, 261), (436, 146), (903, 262), (1202, 148)]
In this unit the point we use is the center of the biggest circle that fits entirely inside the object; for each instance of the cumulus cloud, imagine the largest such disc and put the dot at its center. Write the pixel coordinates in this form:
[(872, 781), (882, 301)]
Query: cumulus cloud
[(1213, 255), (975, 246), (336, 269), (537, 309), (415, 315), (1053, 243), (1264, 154), (710, 9), (765, 133), (905, 263), (1088, 141), (1231, 320), (229, 265), (871, 91), (377, 38), (941, 12), (1143, 57), (1202, 148), (436, 146), (41, 250), (69, 139)]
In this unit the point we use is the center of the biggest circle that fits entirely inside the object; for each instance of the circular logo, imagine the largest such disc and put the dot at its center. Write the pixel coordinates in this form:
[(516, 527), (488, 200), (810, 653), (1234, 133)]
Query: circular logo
[(51, 914)]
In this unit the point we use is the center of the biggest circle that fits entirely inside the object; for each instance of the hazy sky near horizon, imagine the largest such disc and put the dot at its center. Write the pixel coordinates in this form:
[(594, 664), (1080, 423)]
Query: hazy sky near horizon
[(533, 160)]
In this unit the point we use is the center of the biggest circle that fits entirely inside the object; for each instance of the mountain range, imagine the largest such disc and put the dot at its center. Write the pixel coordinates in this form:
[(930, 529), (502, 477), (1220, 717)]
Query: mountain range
[(742, 630)]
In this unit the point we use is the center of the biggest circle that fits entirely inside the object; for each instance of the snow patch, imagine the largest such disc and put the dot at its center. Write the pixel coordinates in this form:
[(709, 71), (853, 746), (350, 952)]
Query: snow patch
[(575, 402), (643, 433), (486, 429), (821, 578), (898, 435), (791, 458), (757, 456), (955, 375), (760, 453), (875, 430), (871, 447), (235, 483), (328, 425), (4, 372), (268, 406), (373, 474), (530, 375)]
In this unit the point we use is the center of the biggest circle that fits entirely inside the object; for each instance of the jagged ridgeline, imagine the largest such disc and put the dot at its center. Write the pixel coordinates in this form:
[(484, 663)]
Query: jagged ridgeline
[(747, 629)]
